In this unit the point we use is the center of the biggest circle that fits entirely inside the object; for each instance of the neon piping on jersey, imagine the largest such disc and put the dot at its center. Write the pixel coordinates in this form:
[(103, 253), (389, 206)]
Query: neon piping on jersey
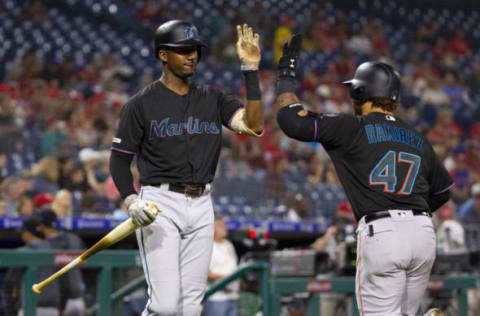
[(315, 134), (362, 312), (124, 151), (149, 302), (231, 118), (446, 189)]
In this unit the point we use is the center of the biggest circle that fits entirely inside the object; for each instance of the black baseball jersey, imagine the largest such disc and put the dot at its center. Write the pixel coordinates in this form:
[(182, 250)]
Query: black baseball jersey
[(176, 138), (381, 161)]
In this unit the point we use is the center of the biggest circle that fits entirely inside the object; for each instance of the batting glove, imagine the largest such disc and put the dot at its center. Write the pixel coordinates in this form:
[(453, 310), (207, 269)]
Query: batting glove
[(248, 48), (288, 62), (139, 210)]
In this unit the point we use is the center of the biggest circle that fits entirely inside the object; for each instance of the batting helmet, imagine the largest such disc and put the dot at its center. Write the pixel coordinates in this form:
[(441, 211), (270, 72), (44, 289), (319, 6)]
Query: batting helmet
[(177, 33), (374, 79)]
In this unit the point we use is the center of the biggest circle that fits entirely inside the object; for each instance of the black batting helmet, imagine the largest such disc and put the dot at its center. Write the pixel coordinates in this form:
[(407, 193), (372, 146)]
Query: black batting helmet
[(177, 33), (374, 79)]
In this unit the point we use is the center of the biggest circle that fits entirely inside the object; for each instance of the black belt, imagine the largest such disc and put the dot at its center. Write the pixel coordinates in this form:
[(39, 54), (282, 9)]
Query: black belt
[(191, 190), (383, 214)]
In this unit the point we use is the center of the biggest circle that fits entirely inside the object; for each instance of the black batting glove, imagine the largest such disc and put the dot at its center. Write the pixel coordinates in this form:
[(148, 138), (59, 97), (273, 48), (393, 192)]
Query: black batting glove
[(288, 62)]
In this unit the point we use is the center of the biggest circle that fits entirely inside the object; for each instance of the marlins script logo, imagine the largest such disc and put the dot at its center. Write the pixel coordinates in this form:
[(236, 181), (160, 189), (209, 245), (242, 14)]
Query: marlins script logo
[(191, 126)]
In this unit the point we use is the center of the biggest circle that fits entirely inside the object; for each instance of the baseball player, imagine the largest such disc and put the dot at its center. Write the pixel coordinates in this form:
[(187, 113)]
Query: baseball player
[(174, 128), (390, 174)]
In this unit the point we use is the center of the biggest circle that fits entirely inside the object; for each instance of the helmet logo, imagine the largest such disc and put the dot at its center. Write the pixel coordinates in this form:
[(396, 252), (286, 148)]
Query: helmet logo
[(189, 32)]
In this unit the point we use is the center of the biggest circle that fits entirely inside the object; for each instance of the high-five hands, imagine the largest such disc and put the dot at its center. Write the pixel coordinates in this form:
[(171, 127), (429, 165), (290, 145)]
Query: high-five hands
[(248, 48), (288, 62)]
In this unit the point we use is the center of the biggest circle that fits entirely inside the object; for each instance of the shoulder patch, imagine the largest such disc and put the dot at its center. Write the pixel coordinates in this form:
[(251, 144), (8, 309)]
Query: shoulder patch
[(302, 112), (390, 118), (117, 140)]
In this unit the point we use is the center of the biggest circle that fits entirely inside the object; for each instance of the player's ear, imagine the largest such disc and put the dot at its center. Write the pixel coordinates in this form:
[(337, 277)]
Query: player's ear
[(162, 55)]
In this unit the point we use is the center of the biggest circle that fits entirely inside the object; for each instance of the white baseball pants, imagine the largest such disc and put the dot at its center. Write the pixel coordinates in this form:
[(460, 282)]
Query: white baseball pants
[(176, 250), (394, 260)]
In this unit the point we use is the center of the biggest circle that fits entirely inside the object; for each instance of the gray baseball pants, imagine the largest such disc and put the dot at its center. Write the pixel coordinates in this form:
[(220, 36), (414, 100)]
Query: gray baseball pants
[(394, 259), (176, 250)]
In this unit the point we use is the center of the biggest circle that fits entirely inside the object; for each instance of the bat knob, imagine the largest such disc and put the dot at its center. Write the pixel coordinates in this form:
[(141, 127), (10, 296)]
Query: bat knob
[(36, 288)]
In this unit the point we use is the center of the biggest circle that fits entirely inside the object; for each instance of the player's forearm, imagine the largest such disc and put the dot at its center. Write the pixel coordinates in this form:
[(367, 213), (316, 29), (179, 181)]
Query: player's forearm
[(254, 115), (287, 98), (254, 107), (121, 174)]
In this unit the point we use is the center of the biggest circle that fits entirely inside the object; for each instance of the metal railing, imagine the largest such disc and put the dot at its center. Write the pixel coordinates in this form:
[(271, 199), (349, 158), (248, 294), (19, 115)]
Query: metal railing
[(271, 288)]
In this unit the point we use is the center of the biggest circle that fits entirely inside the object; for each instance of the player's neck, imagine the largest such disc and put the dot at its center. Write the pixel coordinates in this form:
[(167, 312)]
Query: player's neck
[(368, 108), (176, 84)]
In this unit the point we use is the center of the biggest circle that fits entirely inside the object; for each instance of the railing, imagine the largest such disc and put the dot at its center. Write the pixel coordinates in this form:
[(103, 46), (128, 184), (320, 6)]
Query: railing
[(271, 288), (32, 260)]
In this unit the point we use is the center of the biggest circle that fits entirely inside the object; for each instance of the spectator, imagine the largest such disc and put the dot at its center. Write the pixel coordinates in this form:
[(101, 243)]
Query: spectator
[(331, 303), (282, 35), (43, 200), (71, 285), (360, 42), (46, 175), (469, 211), (450, 233), (48, 302), (224, 263), (62, 205), (11, 192), (458, 45), (3, 206), (10, 133), (26, 206)]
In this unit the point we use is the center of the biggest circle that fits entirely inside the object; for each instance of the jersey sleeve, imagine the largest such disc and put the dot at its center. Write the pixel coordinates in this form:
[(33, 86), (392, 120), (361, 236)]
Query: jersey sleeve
[(335, 130), (229, 107), (331, 130), (440, 180), (130, 131)]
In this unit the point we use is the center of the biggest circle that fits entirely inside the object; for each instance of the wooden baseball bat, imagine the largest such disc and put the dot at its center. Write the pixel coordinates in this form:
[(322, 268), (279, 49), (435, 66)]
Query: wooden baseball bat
[(115, 235)]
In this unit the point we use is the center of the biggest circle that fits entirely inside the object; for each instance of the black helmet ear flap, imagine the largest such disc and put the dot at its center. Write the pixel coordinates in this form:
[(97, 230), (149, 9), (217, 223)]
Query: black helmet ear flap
[(358, 94)]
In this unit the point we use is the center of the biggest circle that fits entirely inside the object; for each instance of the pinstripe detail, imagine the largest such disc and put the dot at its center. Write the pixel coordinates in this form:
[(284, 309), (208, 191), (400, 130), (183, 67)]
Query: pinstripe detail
[(362, 312), (446, 189), (124, 151), (144, 257)]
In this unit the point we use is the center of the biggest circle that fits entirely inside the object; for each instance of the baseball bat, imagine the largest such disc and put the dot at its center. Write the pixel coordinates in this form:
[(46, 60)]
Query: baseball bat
[(115, 235)]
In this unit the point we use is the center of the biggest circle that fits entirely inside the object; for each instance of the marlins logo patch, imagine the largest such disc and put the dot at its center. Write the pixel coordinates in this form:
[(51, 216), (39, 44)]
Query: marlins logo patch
[(189, 32)]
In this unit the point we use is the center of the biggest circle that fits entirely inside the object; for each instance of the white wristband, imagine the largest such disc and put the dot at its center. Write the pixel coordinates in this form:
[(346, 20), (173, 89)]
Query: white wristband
[(249, 66)]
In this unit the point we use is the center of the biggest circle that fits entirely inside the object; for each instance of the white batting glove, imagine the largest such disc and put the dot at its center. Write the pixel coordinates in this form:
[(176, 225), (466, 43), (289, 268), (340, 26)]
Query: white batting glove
[(140, 211)]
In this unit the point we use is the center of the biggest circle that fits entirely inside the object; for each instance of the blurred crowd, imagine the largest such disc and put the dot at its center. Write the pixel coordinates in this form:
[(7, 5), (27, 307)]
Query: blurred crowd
[(57, 118)]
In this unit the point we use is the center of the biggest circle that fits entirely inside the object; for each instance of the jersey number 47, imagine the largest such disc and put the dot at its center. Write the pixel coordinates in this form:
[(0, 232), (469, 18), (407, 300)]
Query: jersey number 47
[(385, 172)]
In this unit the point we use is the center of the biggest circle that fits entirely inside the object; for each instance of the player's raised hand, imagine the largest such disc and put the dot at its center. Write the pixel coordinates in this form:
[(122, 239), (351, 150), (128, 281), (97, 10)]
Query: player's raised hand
[(287, 64), (248, 47)]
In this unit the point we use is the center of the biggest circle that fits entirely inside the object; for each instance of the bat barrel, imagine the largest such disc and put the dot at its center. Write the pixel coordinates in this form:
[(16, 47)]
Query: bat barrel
[(37, 288)]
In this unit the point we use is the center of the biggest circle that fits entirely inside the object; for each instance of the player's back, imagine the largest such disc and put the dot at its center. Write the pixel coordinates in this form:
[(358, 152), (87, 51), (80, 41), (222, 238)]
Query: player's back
[(385, 164)]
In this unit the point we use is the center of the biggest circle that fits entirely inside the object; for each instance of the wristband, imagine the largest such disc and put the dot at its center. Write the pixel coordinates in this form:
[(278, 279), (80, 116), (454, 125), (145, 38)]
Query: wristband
[(285, 85), (252, 85), (249, 66)]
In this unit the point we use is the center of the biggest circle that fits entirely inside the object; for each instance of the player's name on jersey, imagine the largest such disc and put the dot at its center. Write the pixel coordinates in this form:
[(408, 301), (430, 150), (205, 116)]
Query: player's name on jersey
[(377, 133)]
